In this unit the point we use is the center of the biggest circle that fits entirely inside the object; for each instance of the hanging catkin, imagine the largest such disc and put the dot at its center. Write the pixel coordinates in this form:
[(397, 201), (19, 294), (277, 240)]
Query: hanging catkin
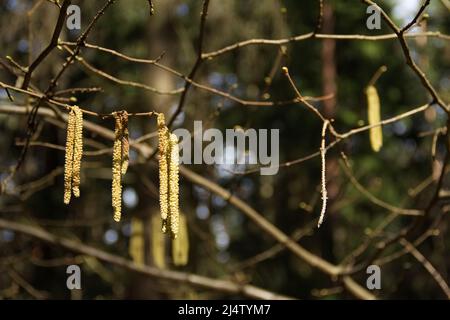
[(158, 242), (323, 183), (168, 177), (163, 148), (180, 245), (74, 152), (373, 111), (136, 247), (120, 160), (78, 152), (68, 167), (174, 169), (125, 143)]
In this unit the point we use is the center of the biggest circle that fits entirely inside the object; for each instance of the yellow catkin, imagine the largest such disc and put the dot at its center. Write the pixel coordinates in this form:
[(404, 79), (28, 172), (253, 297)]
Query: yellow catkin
[(68, 166), (125, 142), (373, 111), (180, 245), (323, 152), (116, 189), (163, 148), (120, 160), (158, 242), (78, 151), (136, 247), (174, 168)]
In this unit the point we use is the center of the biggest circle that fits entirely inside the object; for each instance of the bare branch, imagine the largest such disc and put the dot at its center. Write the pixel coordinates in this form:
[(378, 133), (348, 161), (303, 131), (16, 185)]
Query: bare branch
[(191, 279)]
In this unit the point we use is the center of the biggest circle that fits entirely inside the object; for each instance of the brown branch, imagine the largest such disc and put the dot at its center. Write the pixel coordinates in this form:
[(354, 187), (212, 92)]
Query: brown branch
[(422, 8), (65, 106), (383, 122), (81, 39), (58, 147), (77, 90), (17, 278), (446, 4), (52, 45), (340, 137), (112, 78), (427, 265), (408, 212), (272, 251), (439, 184), (400, 253), (228, 287), (146, 151), (319, 18), (377, 75), (28, 189), (406, 52), (31, 123), (311, 35), (197, 63), (300, 97), (212, 90)]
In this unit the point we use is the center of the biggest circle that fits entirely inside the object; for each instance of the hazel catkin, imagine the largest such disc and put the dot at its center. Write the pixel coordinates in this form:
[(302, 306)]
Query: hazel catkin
[(125, 143), (163, 149), (136, 247), (120, 161), (168, 151), (78, 152), (68, 166), (373, 112), (180, 245), (73, 153), (174, 168), (157, 242)]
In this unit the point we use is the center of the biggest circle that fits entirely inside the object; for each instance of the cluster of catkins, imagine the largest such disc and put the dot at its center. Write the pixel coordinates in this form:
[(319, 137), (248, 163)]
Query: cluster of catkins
[(180, 245), (172, 222), (121, 150), (74, 152), (168, 178)]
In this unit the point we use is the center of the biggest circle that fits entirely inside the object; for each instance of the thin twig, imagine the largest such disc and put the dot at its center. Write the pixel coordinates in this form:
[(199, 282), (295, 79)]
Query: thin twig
[(191, 279), (197, 63), (427, 265), (52, 45), (146, 151)]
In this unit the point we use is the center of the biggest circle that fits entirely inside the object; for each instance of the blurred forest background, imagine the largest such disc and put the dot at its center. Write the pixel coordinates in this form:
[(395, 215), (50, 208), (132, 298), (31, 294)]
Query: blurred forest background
[(373, 196)]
